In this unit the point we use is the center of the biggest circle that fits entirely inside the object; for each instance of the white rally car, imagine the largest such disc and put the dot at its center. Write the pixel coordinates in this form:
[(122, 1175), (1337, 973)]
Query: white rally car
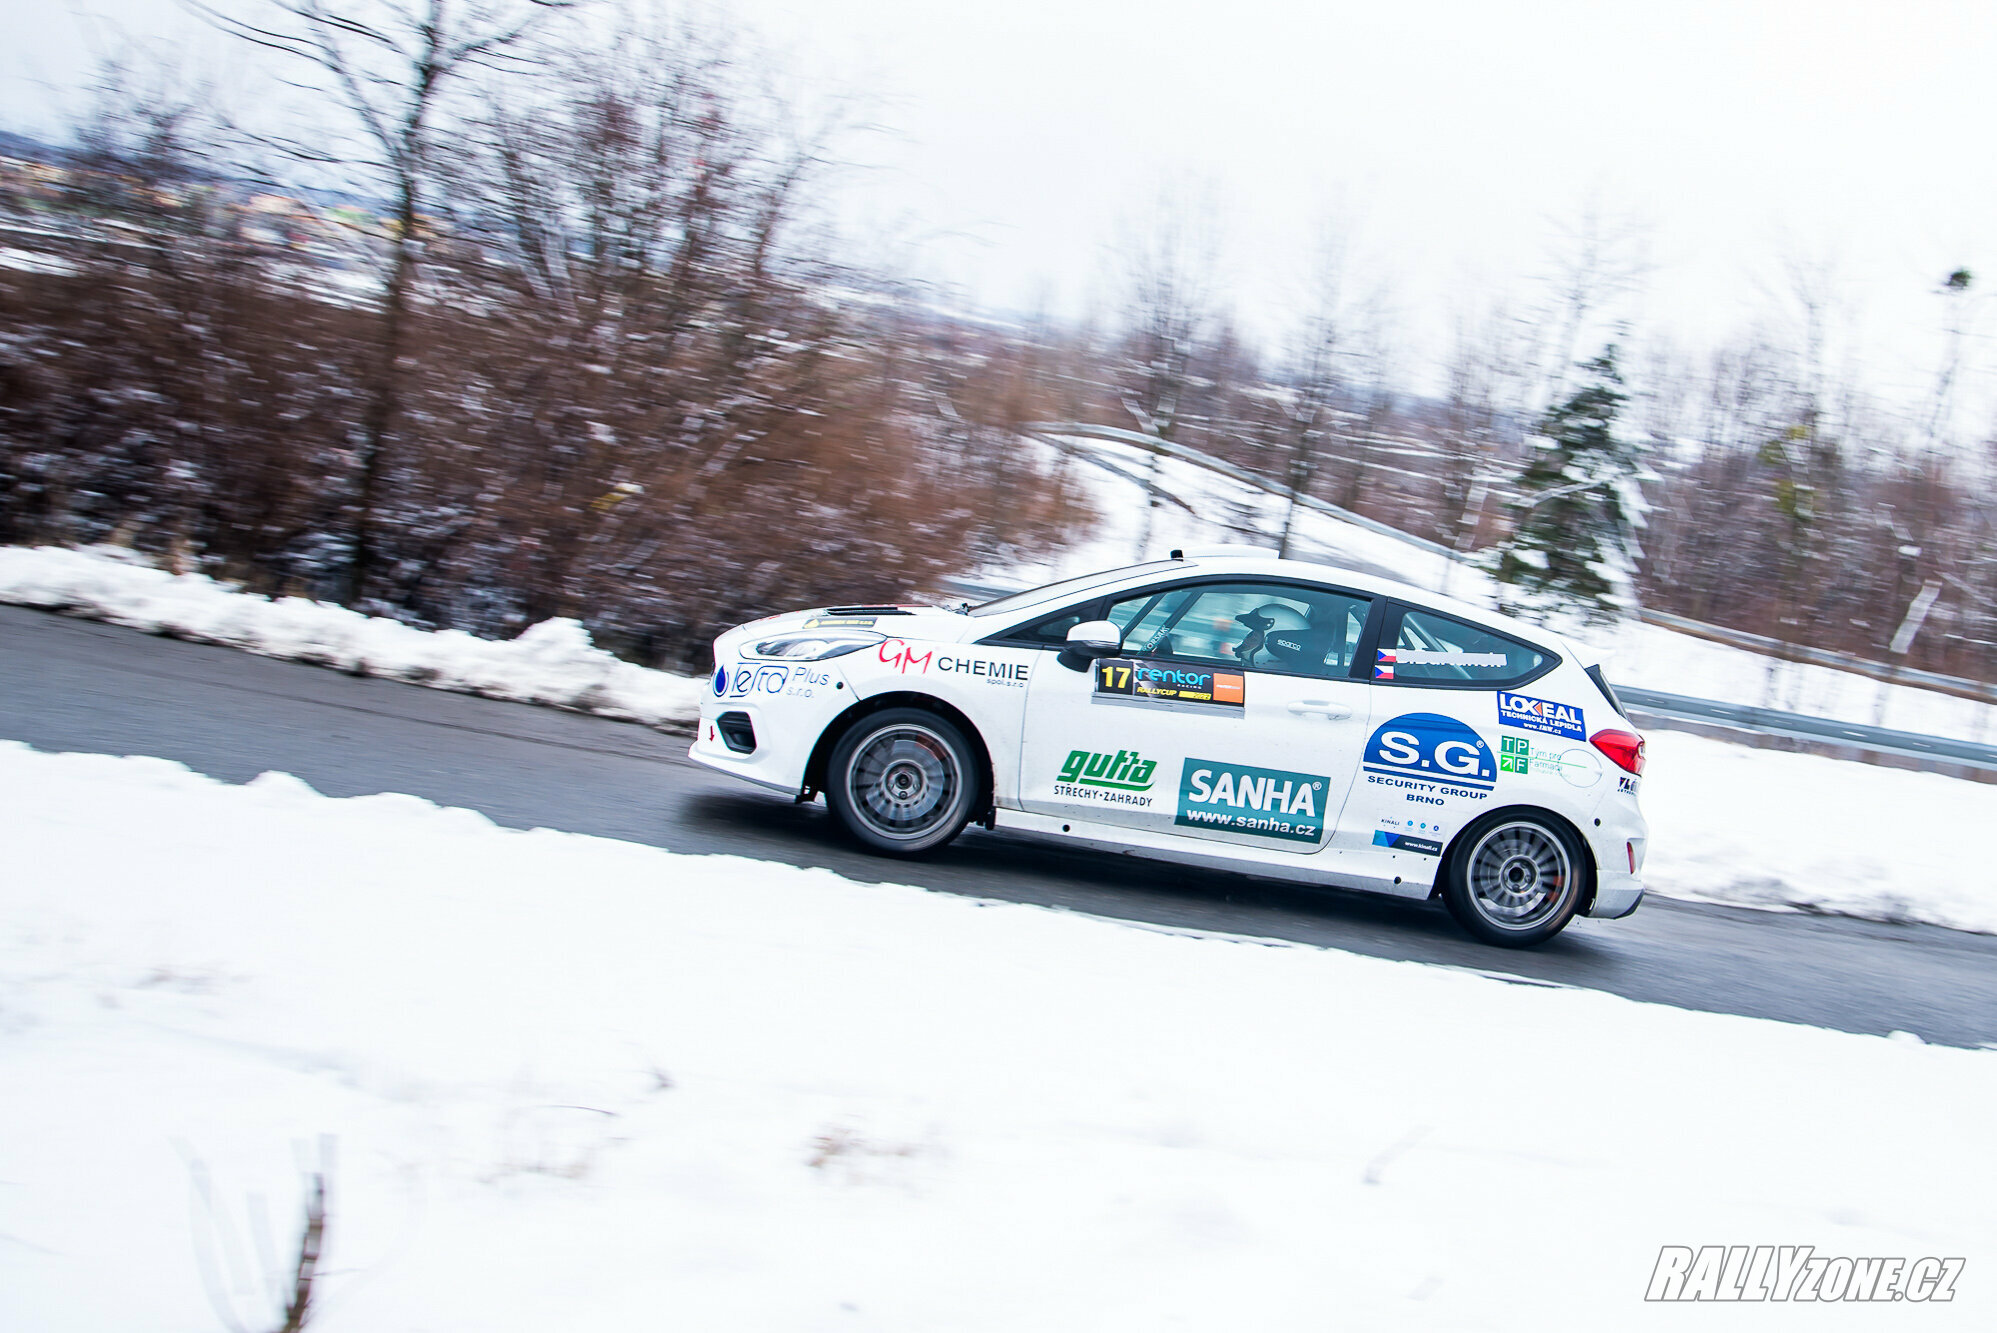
[(1227, 710)]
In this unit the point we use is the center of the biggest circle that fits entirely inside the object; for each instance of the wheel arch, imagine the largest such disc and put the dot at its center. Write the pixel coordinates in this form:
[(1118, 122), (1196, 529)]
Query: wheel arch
[(1553, 817), (821, 754)]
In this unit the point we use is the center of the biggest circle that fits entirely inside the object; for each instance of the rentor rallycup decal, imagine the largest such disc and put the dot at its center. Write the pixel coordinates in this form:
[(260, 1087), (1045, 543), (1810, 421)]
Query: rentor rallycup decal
[(1517, 710), (1240, 798), (1166, 682), (1430, 757)]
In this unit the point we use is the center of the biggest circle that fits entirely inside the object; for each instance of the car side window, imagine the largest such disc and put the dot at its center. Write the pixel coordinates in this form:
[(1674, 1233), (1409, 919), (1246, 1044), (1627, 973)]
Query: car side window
[(1289, 628), (1051, 632), (1433, 649)]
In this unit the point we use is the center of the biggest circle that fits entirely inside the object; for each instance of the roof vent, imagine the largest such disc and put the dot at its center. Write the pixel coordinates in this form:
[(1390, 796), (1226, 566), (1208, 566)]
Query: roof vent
[(1265, 552)]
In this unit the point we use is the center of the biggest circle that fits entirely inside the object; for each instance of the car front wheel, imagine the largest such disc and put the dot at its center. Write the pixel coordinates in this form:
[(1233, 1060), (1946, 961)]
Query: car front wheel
[(902, 781), (1515, 879)]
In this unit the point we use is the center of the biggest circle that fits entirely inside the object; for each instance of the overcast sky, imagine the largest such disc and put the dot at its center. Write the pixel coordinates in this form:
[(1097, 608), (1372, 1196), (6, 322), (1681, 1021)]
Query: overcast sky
[(1742, 133)]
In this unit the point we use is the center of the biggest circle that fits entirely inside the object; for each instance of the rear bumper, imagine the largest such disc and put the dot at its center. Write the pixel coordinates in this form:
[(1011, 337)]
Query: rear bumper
[(1617, 900)]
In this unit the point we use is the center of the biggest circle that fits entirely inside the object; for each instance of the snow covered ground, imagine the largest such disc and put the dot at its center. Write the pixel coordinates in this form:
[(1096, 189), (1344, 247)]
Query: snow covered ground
[(1729, 823), (1766, 828), (569, 1083)]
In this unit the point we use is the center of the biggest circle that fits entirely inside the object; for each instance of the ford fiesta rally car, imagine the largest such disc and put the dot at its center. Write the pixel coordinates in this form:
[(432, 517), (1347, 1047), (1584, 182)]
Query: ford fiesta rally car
[(1225, 710)]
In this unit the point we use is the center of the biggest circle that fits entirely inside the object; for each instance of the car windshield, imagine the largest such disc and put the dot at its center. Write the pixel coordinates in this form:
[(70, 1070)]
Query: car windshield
[(1067, 588)]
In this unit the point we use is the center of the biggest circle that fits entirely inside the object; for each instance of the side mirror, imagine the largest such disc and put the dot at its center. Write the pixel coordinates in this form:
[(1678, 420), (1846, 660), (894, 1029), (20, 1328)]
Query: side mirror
[(1088, 641), (1096, 638)]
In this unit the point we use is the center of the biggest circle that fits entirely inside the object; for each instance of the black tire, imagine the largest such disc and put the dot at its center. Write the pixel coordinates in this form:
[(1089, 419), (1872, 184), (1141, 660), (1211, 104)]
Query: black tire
[(1515, 878), (903, 781)]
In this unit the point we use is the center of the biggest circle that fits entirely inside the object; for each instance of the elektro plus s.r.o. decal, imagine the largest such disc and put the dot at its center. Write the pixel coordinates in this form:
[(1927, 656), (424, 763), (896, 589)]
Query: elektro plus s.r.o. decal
[(747, 678), (1239, 798), (1429, 758), (1119, 678)]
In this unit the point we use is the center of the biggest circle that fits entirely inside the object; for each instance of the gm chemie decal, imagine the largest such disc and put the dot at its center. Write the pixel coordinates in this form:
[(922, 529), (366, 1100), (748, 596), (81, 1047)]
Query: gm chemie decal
[(1240, 798), (1122, 778), (1429, 758), (1165, 682)]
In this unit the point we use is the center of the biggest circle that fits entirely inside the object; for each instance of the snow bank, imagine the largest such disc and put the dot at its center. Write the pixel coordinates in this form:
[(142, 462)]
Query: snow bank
[(1767, 828), (575, 1083), (550, 663)]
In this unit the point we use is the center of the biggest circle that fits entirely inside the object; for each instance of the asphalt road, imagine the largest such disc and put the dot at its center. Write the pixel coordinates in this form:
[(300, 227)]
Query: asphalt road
[(74, 685)]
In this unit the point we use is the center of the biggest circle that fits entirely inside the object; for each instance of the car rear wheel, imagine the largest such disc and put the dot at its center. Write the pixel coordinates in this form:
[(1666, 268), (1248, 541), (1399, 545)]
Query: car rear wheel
[(1515, 879), (902, 781)]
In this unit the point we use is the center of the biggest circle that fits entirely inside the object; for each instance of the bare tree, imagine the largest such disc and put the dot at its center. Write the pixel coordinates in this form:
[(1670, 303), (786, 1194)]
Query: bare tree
[(1169, 262), (1339, 317), (388, 66), (1593, 263)]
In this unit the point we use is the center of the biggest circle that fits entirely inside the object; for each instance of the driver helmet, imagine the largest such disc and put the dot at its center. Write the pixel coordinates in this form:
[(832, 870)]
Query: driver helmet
[(1283, 631)]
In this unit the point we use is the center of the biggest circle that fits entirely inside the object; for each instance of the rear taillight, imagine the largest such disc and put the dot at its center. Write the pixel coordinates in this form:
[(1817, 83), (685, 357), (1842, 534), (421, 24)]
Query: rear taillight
[(1625, 747)]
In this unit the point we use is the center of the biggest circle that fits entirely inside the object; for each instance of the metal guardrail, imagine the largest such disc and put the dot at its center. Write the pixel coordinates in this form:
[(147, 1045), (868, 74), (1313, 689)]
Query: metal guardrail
[(1960, 687), (1802, 727)]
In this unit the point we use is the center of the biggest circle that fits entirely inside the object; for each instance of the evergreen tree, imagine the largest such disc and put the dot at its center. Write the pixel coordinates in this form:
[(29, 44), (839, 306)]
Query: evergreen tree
[(1580, 505)]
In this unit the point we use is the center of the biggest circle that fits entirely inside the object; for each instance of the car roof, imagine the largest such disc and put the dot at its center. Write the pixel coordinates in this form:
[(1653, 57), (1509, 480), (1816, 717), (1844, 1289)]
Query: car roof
[(1311, 571)]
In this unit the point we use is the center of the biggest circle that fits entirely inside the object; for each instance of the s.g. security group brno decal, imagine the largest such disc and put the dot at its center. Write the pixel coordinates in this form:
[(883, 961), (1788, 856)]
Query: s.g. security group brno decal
[(1430, 758)]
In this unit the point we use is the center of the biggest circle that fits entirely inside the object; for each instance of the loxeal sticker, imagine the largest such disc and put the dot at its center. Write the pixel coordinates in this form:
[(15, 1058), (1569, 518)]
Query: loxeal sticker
[(1240, 798), (1131, 679), (1543, 715)]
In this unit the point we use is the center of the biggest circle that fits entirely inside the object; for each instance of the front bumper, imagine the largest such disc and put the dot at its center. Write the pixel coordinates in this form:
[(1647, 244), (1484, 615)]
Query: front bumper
[(781, 753)]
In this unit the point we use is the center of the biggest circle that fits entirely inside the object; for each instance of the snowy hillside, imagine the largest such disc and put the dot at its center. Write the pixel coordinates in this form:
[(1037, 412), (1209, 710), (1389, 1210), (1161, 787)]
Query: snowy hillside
[(566, 1083), (1217, 509)]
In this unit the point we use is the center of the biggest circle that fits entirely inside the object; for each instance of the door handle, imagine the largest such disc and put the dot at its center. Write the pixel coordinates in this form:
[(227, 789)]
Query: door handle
[(1333, 711)]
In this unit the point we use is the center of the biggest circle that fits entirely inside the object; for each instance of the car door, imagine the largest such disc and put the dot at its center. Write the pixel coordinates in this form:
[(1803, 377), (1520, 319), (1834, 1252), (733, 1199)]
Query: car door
[(1232, 715), (1436, 753)]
